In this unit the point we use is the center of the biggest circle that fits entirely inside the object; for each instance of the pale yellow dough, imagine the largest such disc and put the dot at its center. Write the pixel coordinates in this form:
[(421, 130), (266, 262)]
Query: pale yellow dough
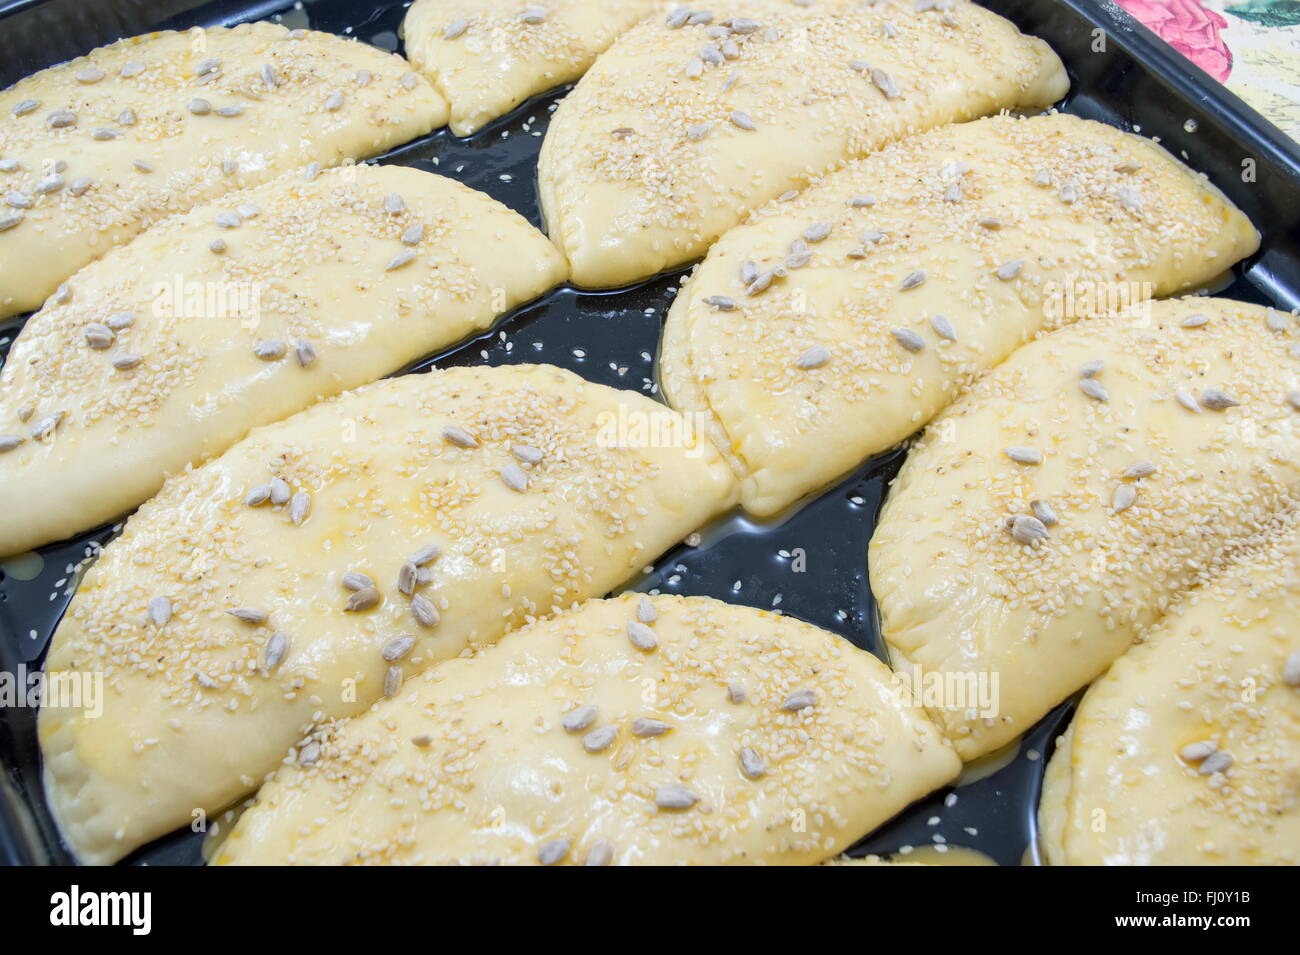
[(1121, 792), (472, 764), (193, 718), (137, 152), (644, 166), (486, 57), (965, 601), (307, 265), (1138, 217)]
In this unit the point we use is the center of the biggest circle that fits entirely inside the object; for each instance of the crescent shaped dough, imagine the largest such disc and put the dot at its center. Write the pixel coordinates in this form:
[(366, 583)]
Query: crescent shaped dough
[(801, 376), (1213, 674), (488, 56), (707, 757), (303, 265), (645, 163), (513, 472), (154, 125), (1027, 580)]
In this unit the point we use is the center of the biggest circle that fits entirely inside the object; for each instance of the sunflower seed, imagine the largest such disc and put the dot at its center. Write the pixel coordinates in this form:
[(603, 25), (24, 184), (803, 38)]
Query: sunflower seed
[(277, 648), (269, 78), (527, 453), (126, 361), (142, 166), (554, 851), (1129, 198), (720, 303), (1091, 369), (229, 111), (817, 231), (515, 477), (1187, 400), (1194, 321), (952, 192), (455, 29), (305, 353), (1293, 399), (120, 320), (700, 18), (45, 426), (394, 204), (1044, 512), (1010, 270), (10, 441), (678, 17), (362, 599), (160, 611), (645, 611), (697, 131), (269, 349), (406, 578), (751, 764), (25, 412), (228, 220), (422, 741), (862, 202), (599, 740), (642, 637), (299, 507), (17, 200), (743, 120), (578, 719), (61, 119), (280, 491), (353, 579), (694, 68), (199, 107), (249, 615), (989, 222), (1217, 400), (1025, 455), (206, 66), (814, 357), (9, 165), (334, 102), (1291, 669), (908, 339), (459, 437), (799, 700), (311, 171), (392, 682), (1140, 470), (763, 281), (533, 15), (1124, 497), (10, 219), (26, 106), (1275, 321), (309, 754), (1195, 752), (600, 853), (1219, 761), (712, 55), (675, 797), (397, 648), (414, 235), (410, 81), (1094, 389), (885, 83), (1069, 193), (646, 726), (736, 693), (943, 328), (404, 257), (912, 280), (425, 613), (99, 336), (1027, 530), (258, 496), (103, 134)]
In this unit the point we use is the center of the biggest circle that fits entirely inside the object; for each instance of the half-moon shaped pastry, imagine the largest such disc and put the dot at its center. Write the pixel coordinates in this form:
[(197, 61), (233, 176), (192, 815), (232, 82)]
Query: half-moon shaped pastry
[(300, 576), (1187, 752), (488, 56), (1054, 512), (832, 326), (167, 350), (97, 149), (686, 123), (638, 730)]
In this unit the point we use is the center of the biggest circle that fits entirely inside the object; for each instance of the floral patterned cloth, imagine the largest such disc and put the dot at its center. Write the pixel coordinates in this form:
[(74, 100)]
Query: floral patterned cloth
[(1251, 46)]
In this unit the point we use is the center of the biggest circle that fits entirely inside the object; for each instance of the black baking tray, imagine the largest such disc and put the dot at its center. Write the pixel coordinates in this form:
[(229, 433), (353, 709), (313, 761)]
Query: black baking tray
[(1134, 82)]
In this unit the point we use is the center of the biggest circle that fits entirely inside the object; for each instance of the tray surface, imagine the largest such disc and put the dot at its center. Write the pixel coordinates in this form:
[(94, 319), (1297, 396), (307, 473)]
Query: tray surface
[(612, 338)]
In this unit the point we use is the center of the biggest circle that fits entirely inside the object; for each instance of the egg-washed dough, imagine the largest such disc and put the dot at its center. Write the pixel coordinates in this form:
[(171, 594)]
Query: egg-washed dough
[(644, 166), (488, 56), (473, 763), (192, 717), (1120, 791), (141, 145), (307, 264), (1137, 217), (964, 600)]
